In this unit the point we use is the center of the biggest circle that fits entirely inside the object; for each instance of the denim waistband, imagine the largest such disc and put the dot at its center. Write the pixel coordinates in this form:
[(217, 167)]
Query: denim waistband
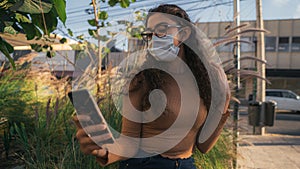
[(158, 162)]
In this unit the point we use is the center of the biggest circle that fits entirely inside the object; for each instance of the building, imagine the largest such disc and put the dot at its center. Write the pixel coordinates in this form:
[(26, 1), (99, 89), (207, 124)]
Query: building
[(282, 46), (61, 65)]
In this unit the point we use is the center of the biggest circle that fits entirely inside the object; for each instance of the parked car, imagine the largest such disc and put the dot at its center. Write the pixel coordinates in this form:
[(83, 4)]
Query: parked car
[(285, 99)]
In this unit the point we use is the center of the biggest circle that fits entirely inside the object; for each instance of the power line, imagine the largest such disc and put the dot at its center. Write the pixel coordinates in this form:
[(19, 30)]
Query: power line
[(123, 12), (210, 6), (139, 5), (107, 6), (129, 11), (145, 4)]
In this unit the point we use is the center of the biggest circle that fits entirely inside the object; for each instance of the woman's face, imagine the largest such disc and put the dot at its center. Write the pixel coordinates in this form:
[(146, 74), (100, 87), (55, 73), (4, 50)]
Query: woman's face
[(161, 24)]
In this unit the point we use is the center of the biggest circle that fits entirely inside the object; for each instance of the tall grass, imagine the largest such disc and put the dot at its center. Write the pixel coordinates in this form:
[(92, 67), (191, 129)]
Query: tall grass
[(14, 96), (13, 108), (41, 133), (219, 157), (53, 144)]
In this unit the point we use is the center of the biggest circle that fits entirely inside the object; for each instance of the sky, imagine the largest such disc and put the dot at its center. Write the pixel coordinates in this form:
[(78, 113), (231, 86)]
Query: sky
[(197, 9)]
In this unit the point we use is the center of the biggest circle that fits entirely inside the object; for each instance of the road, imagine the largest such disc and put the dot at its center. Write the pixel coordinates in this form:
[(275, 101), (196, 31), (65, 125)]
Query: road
[(285, 123)]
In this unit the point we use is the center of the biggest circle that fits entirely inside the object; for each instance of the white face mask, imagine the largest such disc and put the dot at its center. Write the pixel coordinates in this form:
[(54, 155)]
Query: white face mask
[(163, 48)]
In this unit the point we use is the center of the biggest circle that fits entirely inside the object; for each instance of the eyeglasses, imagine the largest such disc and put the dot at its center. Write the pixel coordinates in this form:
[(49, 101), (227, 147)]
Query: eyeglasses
[(160, 31)]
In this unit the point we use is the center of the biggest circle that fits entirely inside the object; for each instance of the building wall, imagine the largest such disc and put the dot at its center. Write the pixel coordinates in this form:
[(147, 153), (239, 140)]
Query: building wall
[(280, 55), (282, 47)]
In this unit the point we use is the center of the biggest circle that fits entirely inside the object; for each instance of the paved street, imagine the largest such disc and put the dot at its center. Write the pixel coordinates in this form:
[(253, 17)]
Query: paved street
[(269, 152), (286, 123), (279, 148)]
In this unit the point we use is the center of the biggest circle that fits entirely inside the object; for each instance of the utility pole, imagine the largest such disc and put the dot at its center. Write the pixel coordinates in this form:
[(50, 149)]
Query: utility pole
[(261, 68), (237, 53)]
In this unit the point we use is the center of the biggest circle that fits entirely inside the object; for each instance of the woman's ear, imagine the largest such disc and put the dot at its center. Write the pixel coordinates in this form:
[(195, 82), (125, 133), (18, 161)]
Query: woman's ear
[(184, 33)]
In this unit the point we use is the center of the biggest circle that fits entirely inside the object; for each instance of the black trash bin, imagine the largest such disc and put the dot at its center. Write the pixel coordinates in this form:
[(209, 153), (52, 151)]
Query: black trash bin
[(269, 111), (254, 109)]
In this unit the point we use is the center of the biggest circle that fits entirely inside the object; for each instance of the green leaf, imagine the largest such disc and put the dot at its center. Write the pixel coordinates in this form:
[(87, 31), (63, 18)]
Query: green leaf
[(5, 4), (102, 24), (6, 49), (8, 23), (2, 26), (112, 2), (30, 30), (103, 15), (22, 18), (92, 32), (50, 21), (106, 50), (31, 6), (60, 6), (9, 48), (45, 47), (70, 32), (10, 30), (63, 40), (124, 3), (50, 54), (81, 37), (36, 47), (92, 22), (133, 0)]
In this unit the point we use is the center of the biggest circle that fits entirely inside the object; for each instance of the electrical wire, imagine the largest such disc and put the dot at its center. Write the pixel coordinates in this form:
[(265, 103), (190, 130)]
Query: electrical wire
[(115, 12), (137, 5), (128, 12)]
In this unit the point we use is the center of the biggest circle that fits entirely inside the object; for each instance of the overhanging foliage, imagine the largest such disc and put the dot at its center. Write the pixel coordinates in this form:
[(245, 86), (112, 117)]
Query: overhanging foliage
[(35, 18)]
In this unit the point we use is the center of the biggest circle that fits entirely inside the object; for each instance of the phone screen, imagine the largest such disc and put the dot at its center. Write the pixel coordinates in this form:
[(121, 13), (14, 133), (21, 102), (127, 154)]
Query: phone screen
[(85, 104)]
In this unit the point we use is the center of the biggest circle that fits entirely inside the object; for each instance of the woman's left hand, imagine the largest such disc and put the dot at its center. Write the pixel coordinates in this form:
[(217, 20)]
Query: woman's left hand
[(87, 145)]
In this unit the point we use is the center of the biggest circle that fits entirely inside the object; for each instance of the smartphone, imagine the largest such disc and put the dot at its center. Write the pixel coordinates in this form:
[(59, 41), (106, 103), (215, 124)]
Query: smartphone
[(85, 104)]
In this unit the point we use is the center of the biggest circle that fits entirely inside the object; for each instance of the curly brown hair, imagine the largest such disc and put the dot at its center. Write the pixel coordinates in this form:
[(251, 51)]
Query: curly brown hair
[(154, 77)]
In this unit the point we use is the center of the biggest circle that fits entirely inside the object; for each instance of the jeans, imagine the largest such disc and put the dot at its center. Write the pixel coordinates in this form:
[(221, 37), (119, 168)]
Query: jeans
[(157, 162)]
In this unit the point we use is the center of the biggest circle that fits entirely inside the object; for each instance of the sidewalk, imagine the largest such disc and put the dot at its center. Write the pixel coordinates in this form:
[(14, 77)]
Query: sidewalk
[(269, 152)]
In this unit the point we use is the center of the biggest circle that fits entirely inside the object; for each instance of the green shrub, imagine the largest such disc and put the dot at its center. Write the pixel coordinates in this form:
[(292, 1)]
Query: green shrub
[(14, 97), (219, 157), (14, 106)]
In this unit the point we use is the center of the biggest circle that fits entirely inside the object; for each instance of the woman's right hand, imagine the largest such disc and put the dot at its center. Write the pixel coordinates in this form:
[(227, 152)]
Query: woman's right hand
[(87, 145)]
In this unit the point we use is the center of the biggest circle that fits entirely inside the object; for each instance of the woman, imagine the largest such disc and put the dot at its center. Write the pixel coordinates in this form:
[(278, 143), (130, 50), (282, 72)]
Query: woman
[(168, 39)]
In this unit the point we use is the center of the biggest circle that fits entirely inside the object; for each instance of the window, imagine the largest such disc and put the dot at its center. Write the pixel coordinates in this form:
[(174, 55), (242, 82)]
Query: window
[(296, 44), (270, 43), (273, 93), (283, 44), (288, 95), (246, 45)]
